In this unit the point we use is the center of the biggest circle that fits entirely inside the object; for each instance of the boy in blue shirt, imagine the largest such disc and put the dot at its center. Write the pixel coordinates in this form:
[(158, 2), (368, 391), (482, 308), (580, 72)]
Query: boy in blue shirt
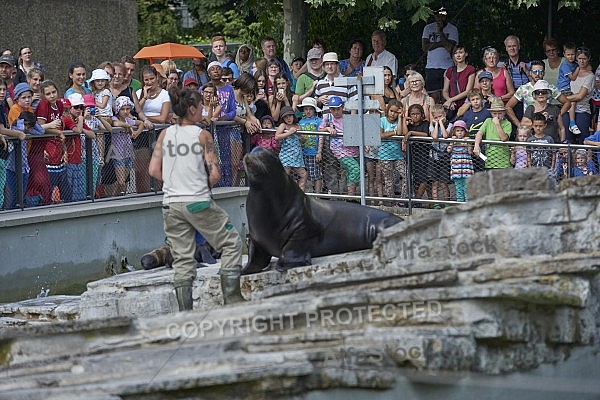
[(474, 117), (312, 145), (567, 72)]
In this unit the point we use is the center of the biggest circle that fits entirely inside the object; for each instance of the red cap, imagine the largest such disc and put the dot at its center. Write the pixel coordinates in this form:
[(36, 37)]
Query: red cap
[(65, 103), (88, 100), (190, 80)]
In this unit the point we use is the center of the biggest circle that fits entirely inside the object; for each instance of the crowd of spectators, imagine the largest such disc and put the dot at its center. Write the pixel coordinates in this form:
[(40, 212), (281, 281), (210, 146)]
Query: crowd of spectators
[(282, 107)]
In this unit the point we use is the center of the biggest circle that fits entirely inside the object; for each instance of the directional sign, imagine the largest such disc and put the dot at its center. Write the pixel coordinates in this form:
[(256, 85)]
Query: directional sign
[(353, 131)]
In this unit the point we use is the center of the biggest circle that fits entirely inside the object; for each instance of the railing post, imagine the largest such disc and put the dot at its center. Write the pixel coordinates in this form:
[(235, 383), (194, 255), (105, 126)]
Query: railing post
[(19, 174), (152, 143), (89, 169), (409, 174)]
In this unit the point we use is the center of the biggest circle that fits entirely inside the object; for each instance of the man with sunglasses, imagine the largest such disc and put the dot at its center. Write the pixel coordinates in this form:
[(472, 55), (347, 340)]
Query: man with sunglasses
[(525, 94)]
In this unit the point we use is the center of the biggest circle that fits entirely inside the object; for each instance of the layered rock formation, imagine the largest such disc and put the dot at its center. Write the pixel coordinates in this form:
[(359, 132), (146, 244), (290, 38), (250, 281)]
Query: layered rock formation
[(506, 283)]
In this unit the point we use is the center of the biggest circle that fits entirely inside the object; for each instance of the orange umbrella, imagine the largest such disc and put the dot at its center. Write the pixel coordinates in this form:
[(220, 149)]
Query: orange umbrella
[(169, 51)]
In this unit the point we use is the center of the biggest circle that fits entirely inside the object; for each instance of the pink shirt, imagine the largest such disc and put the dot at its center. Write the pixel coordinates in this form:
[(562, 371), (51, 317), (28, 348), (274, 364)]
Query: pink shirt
[(336, 143)]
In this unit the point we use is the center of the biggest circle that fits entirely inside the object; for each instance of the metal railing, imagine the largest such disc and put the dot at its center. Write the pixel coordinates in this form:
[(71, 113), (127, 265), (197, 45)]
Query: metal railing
[(409, 184)]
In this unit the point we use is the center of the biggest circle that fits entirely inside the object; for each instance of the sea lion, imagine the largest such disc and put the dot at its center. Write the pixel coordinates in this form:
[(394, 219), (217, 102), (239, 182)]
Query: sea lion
[(204, 254), (285, 223), (157, 258)]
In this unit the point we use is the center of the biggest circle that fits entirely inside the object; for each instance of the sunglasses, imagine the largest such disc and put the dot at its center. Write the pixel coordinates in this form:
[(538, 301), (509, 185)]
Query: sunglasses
[(537, 71), (226, 79), (583, 50), (541, 92), (208, 92), (79, 107)]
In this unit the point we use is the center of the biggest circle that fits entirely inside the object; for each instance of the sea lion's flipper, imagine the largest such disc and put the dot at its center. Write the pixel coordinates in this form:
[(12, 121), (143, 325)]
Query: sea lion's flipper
[(292, 258), (258, 259)]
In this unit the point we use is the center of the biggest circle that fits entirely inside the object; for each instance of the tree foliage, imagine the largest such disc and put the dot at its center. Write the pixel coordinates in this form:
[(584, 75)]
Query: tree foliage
[(158, 22), (480, 23), (245, 21)]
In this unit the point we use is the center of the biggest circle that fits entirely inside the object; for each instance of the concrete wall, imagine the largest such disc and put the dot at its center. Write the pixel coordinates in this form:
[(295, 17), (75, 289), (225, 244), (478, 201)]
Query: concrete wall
[(63, 248), (62, 31)]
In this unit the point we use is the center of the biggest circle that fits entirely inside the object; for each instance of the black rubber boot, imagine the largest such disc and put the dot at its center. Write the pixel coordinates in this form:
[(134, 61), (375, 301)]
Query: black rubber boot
[(183, 292), (230, 284)]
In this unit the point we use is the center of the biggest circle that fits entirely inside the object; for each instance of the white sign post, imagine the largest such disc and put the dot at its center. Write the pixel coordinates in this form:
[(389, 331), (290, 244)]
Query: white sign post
[(363, 129)]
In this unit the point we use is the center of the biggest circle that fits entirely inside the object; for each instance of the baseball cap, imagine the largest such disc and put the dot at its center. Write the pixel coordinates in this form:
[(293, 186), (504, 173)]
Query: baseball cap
[(88, 100), (441, 11), (335, 101), (485, 74), (76, 99), (331, 57), (8, 59), (189, 81), (314, 53), (213, 64), (65, 103)]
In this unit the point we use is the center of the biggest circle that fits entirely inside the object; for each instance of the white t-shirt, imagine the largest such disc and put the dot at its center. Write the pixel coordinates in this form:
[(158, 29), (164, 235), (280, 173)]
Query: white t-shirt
[(385, 58), (439, 58), (152, 107), (108, 110), (583, 105)]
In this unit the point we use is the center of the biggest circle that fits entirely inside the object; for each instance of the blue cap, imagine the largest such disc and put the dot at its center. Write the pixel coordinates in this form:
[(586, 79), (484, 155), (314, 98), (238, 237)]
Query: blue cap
[(335, 101), (485, 74), (20, 88)]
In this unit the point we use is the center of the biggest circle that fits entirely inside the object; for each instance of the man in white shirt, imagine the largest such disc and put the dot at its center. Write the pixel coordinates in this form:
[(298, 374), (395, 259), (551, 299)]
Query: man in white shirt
[(438, 39), (380, 57)]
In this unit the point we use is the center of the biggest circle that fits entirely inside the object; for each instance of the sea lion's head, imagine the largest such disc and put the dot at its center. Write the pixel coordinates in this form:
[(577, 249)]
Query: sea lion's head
[(261, 163)]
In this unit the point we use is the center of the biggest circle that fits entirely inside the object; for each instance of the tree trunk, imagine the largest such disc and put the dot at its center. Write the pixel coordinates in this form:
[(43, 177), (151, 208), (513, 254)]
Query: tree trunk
[(294, 29)]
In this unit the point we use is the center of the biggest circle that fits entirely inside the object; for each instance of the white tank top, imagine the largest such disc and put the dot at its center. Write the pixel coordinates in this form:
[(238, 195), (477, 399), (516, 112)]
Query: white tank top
[(183, 169)]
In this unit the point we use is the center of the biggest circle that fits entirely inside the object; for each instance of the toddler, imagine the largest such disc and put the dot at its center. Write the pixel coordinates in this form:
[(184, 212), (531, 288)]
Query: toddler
[(461, 161), (518, 153)]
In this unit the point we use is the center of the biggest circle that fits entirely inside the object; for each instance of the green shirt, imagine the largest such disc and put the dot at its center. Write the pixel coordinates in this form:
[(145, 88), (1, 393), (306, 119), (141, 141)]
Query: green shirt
[(498, 156), (135, 84), (305, 82)]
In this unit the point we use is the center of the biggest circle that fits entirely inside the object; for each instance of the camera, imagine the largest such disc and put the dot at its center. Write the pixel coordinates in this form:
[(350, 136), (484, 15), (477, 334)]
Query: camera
[(92, 110)]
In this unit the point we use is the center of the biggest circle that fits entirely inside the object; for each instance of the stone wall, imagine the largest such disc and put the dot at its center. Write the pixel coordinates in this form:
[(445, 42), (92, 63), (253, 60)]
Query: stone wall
[(61, 31)]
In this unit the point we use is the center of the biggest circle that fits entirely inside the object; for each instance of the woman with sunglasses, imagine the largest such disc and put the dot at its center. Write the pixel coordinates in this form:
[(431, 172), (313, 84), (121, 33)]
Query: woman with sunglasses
[(582, 88), (525, 94), (554, 125)]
